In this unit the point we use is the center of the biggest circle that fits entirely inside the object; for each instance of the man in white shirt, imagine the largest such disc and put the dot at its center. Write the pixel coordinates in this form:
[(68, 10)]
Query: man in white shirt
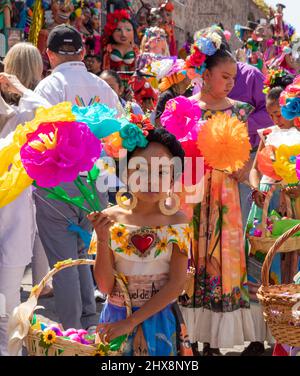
[(69, 81)]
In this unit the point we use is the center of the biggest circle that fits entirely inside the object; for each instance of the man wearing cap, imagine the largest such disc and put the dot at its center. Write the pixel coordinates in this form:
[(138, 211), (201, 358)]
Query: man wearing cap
[(69, 81)]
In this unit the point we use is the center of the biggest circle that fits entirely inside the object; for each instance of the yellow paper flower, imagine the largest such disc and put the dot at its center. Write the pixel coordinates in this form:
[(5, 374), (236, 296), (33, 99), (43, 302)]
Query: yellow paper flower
[(36, 326), (13, 177), (59, 264), (49, 337), (285, 163)]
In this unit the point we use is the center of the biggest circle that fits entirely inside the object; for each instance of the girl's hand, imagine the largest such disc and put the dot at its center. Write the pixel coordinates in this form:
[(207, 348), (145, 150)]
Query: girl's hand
[(101, 223), (292, 192), (108, 332), (259, 198)]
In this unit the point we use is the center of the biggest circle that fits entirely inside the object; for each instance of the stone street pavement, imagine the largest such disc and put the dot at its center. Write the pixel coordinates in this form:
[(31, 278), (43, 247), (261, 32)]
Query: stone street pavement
[(50, 313)]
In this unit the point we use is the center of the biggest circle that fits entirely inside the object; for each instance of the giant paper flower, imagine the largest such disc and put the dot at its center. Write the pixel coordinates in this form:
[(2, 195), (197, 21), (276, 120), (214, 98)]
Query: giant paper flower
[(180, 116), (265, 159), (285, 163), (60, 112), (100, 118), (13, 177), (57, 152), (224, 142), (132, 137)]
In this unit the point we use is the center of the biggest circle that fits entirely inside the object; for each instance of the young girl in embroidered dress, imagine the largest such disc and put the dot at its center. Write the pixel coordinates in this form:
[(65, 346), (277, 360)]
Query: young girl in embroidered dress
[(148, 242)]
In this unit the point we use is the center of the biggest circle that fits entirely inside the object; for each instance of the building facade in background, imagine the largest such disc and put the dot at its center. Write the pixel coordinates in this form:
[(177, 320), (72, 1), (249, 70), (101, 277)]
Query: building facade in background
[(192, 15)]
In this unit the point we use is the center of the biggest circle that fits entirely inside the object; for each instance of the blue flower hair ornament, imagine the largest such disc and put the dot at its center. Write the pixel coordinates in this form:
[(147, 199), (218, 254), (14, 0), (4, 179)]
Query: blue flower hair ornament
[(291, 110)]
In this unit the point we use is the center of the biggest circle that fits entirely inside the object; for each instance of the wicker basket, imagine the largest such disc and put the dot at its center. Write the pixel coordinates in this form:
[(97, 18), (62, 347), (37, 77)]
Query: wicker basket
[(279, 301), (61, 346), (263, 243)]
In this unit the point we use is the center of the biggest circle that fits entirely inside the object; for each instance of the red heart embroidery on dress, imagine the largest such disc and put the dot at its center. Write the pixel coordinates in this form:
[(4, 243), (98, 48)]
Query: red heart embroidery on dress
[(142, 242)]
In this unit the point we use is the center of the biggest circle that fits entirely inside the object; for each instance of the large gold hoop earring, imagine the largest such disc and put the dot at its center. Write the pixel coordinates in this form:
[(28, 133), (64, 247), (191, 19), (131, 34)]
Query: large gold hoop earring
[(170, 210), (121, 197)]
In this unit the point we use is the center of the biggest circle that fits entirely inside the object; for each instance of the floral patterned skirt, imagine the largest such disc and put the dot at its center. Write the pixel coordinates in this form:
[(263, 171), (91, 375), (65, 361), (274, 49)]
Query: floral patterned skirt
[(218, 248), (218, 312)]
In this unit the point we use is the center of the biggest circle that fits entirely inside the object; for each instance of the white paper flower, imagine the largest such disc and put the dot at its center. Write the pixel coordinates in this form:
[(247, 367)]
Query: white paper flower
[(215, 38), (289, 137), (161, 68)]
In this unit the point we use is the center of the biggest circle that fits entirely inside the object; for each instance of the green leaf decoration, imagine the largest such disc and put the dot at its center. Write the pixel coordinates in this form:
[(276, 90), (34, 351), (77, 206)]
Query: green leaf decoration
[(33, 321), (78, 200), (93, 174), (173, 241), (42, 343), (157, 252), (119, 250)]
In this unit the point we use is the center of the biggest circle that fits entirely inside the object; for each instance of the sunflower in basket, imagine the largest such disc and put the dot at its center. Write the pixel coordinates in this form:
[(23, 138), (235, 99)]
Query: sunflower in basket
[(49, 337)]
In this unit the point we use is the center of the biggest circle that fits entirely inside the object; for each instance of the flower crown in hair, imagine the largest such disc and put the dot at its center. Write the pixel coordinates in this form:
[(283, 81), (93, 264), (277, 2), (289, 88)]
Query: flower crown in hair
[(113, 19), (272, 76), (206, 44)]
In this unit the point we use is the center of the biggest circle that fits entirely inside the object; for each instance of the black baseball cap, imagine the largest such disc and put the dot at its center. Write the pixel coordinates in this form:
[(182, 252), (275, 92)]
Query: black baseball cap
[(65, 40)]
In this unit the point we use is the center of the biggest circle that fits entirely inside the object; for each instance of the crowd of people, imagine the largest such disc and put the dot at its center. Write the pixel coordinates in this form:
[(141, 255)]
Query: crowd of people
[(133, 65)]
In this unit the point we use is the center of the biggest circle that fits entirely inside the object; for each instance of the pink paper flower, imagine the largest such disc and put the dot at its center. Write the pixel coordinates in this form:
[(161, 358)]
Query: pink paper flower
[(57, 152), (180, 116)]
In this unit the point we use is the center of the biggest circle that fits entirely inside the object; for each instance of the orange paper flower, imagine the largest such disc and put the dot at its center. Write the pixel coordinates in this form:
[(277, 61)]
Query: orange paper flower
[(224, 142)]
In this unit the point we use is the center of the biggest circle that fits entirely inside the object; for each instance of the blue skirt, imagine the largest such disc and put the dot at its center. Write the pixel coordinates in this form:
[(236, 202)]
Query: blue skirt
[(159, 330)]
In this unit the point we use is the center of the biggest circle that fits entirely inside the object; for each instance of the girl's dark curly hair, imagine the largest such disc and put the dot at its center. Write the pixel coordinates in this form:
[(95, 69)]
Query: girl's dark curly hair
[(169, 141)]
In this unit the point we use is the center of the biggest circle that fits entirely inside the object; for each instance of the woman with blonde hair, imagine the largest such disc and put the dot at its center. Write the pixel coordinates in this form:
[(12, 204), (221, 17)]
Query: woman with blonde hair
[(25, 62)]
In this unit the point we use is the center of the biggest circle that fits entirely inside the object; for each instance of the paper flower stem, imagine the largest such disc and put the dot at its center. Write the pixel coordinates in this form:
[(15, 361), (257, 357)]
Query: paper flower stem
[(63, 198), (86, 193), (94, 190)]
